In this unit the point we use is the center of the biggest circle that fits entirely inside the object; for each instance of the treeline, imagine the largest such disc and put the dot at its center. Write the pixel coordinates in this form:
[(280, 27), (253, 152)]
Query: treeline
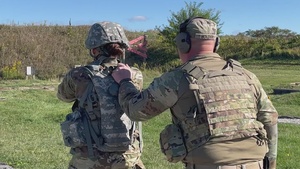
[(53, 50), (269, 43)]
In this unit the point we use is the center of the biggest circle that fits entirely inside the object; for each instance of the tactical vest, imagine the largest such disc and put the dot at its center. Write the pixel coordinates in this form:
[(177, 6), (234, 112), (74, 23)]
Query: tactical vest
[(226, 106), (101, 123)]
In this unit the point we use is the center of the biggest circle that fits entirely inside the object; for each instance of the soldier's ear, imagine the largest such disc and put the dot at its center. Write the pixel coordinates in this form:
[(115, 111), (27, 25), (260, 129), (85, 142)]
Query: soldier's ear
[(93, 51)]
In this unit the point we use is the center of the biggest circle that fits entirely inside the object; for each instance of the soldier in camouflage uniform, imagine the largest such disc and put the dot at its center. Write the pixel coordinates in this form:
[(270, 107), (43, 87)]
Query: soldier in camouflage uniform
[(221, 116), (100, 134)]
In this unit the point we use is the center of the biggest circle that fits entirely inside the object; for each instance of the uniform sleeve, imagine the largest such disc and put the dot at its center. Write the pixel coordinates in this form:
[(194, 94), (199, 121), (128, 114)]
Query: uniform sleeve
[(74, 84), (268, 115), (159, 96), (66, 89)]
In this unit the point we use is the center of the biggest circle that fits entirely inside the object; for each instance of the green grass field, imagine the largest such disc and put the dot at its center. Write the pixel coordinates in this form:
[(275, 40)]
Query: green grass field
[(30, 119)]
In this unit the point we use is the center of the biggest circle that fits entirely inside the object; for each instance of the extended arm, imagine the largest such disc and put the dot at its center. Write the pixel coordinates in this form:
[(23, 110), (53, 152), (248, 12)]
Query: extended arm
[(268, 115), (159, 96)]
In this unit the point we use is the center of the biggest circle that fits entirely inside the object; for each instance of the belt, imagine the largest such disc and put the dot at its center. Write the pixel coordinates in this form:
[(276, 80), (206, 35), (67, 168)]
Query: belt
[(252, 165), (83, 151)]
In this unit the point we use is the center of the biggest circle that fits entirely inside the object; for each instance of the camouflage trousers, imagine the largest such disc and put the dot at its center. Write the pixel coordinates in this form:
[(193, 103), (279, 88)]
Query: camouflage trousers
[(106, 160), (252, 165)]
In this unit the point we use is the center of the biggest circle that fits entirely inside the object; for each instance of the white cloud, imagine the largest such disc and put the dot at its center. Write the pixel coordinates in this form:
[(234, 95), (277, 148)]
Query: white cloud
[(138, 18)]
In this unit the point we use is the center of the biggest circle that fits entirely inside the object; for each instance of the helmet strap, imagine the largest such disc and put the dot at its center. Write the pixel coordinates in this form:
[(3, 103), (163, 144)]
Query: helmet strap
[(101, 52)]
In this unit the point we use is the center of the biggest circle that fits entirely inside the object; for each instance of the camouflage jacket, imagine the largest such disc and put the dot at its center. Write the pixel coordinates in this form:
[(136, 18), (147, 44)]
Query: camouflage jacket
[(101, 102), (166, 91), (74, 83)]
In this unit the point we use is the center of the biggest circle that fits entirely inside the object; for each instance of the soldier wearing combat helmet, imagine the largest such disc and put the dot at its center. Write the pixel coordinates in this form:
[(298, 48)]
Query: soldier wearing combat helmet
[(221, 115), (99, 133)]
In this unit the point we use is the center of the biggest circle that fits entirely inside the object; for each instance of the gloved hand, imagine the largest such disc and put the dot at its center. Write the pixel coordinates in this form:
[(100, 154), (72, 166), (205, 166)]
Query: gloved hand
[(122, 72)]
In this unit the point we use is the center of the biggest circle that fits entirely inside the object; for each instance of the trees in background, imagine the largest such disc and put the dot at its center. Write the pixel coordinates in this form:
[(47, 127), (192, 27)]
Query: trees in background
[(192, 9), (268, 43), (269, 32), (52, 50), (164, 49)]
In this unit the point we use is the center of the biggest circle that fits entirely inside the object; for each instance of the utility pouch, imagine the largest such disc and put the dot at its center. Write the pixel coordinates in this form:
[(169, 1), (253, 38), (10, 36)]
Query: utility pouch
[(73, 130), (172, 143), (261, 137)]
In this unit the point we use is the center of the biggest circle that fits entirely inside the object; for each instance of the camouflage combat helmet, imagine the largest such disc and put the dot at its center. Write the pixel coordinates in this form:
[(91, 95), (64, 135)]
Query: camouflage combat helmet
[(106, 32)]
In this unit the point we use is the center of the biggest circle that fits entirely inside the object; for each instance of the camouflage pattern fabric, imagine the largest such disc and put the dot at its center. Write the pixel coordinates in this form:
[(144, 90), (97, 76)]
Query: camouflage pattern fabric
[(105, 161), (164, 92), (172, 143), (252, 165), (106, 32), (72, 130), (110, 155), (114, 124), (226, 103), (76, 81), (201, 28), (127, 160)]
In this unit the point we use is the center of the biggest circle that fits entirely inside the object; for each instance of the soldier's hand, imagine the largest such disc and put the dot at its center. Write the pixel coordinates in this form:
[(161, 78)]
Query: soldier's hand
[(122, 72)]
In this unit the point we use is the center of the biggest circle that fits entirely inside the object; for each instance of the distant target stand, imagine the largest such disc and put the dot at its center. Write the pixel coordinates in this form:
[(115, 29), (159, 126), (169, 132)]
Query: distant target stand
[(139, 49), (30, 73)]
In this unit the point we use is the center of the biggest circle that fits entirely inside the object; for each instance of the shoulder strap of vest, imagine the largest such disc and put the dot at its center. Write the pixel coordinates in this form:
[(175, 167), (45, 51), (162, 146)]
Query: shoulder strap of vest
[(89, 87), (197, 73), (192, 70), (87, 113)]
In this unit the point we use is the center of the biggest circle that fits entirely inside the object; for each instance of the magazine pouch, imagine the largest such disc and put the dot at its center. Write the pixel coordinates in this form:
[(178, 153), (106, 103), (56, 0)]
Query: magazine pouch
[(172, 143), (73, 130)]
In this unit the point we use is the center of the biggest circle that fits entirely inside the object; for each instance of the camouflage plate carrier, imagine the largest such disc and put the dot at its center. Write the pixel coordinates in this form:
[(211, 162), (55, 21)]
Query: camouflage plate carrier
[(226, 109), (97, 120)]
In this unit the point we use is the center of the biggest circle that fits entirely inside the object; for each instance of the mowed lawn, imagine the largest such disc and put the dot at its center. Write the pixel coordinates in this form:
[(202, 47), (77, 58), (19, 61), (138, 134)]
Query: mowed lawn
[(30, 116)]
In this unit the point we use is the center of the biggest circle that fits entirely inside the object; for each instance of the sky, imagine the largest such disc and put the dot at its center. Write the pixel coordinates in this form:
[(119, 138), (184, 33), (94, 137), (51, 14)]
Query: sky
[(142, 15)]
